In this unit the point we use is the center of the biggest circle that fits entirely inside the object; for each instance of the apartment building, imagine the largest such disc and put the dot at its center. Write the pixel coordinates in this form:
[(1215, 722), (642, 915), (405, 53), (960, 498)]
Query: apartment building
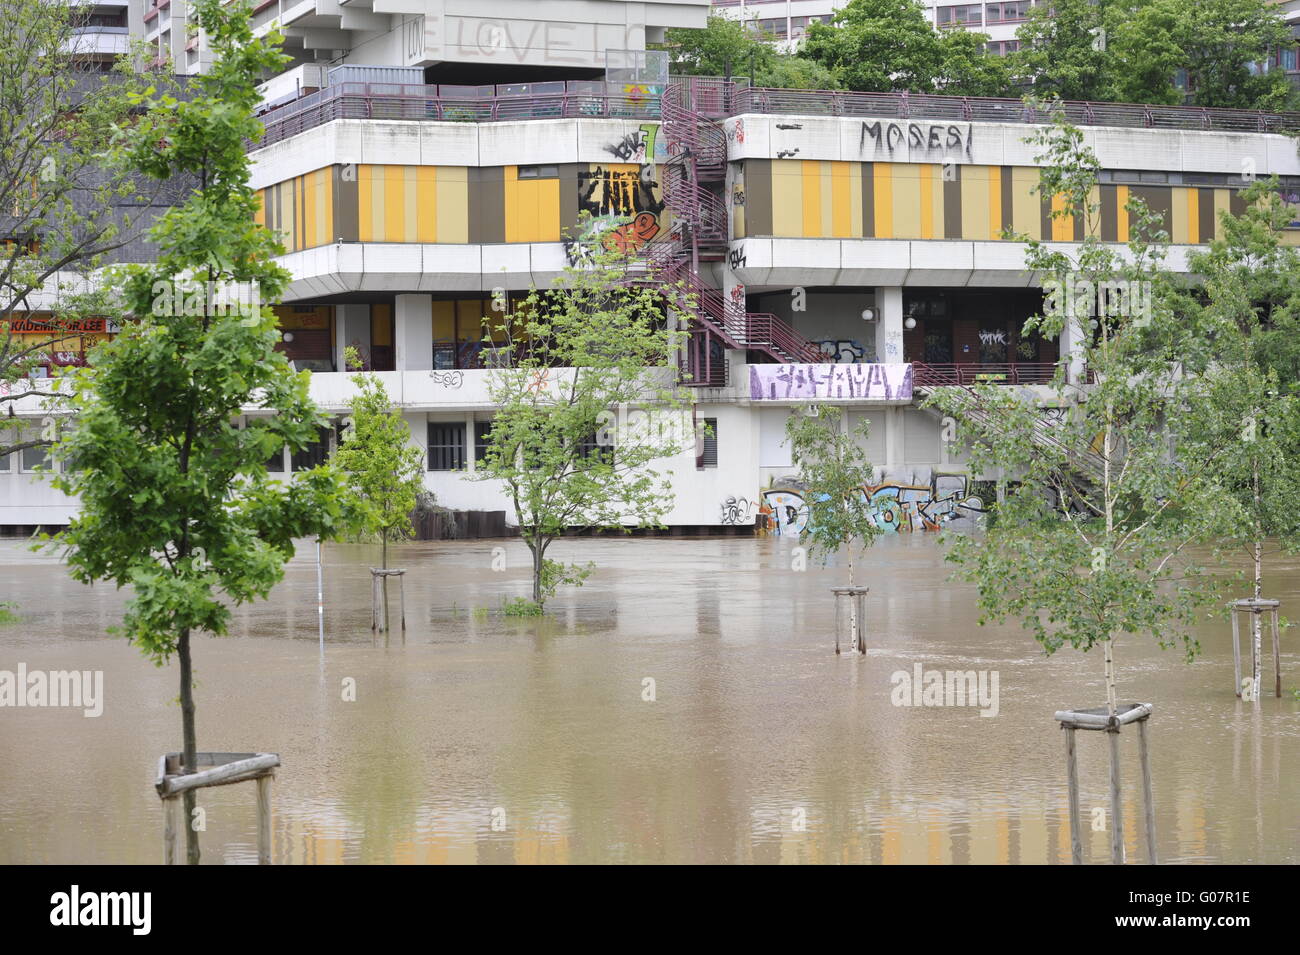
[(845, 248)]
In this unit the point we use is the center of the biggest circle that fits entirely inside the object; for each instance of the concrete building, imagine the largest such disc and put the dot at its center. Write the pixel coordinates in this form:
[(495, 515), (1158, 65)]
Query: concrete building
[(847, 248)]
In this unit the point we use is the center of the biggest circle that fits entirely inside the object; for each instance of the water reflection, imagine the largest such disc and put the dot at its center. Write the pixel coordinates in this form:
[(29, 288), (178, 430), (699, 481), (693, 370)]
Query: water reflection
[(484, 739)]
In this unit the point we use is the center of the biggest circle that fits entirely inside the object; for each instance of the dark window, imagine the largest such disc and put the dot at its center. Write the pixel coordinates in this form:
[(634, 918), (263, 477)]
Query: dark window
[(37, 457), (709, 444), (276, 461), (315, 454), (482, 435), (446, 445), (539, 172), (591, 447), (4, 462)]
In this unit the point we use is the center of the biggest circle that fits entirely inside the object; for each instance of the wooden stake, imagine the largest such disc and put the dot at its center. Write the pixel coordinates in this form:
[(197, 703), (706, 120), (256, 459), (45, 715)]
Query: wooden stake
[(169, 831), (1116, 809), (1072, 778), (264, 819), (401, 597), (1144, 755), (1236, 651), (1277, 659)]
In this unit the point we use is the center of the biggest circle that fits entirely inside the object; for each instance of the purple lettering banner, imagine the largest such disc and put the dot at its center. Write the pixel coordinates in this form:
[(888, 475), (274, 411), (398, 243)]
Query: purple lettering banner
[(882, 382)]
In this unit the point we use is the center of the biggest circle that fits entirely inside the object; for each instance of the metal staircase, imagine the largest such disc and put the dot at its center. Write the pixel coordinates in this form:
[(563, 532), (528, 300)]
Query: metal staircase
[(697, 156)]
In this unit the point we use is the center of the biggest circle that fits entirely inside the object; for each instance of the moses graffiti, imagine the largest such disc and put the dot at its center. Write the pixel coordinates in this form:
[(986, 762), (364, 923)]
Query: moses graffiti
[(895, 506), (931, 141), (885, 382)]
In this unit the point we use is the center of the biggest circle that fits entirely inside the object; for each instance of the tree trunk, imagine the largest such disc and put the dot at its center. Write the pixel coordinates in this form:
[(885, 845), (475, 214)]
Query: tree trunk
[(536, 548), (853, 609), (383, 581), (190, 746)]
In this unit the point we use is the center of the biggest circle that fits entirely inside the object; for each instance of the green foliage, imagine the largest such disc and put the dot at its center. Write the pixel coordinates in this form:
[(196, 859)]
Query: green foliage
[(726, 46), (834, 469), (7, 614), (589, 404), (65, 194), (1059, 50), (384, 471), (522, 607), (1095, 537), (879, 45)]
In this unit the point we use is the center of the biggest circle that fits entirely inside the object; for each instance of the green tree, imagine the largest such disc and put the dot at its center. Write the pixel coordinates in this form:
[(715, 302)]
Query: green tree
[(63, 194), (729, 47), (1063, 50), (878, 45), (1222, 43), (1247, 297), (1145, 52), (588, 406), (1094, 539), (967, 70), (175, 498), (835, 472), (384, 470)]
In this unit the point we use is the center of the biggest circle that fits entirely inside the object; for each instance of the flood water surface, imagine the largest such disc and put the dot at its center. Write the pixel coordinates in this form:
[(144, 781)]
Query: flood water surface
[(686, 705)]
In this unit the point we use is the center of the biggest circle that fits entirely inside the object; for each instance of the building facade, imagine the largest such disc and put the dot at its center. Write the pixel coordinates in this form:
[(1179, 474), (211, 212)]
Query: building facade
[(845, 248)]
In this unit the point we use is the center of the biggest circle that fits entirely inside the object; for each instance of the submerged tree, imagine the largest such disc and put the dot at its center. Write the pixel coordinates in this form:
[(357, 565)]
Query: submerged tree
[(1248, 302), (175, 498), (835, 471), (1095, 537), (384, 470), (588, 405)]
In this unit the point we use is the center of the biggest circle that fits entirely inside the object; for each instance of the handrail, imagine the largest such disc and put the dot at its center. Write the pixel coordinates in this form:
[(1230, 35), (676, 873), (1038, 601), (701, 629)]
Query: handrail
[(724, 98)]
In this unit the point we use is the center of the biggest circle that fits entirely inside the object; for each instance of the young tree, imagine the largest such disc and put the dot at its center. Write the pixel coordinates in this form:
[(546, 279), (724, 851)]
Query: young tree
[(1248, 300), (590, 402), (1224, 45), (63, 195), (1094, 537), (835, 472), (1063, 50), (175, 498), (383, 469), (729, 47), (878, 45)]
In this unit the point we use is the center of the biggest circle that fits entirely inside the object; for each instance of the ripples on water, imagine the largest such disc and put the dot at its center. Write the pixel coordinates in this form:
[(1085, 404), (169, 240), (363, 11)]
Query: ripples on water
[(761, 744)]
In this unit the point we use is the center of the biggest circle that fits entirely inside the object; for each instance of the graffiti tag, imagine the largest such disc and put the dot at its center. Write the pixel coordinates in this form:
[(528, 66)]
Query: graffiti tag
[(886, 382), (931, 139)]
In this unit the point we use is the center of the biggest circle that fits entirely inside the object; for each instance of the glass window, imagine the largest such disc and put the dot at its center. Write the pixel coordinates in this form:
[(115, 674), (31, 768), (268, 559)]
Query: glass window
[(709, 447), (315, 454), (482, 435), (446, 445), (37, 457)]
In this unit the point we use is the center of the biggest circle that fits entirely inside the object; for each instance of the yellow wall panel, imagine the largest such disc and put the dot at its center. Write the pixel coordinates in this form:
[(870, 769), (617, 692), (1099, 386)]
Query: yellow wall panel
[(1121, 213), (787, 199), (853, 173), (1178, 224), (975, 202), (812, 198), (906, 180), (394, 204), (882, 173), (426, 204), (1222, 204), (1026, 213), (453, 204)]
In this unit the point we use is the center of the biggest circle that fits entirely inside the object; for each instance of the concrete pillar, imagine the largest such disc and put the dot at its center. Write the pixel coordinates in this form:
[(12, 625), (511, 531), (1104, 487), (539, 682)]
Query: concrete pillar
[(889, 324), (413, 332), (1072, 347), (469, 443), (893, 438), (351, 327)]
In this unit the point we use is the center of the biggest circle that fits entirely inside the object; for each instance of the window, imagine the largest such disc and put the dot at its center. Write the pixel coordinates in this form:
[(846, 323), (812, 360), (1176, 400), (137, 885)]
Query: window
[(1008, 10), (591, 447), (5, 464), (958, 16), (37, 457), (446, 445), (538, 172), (315, 454), (482, 435), (708, 457)]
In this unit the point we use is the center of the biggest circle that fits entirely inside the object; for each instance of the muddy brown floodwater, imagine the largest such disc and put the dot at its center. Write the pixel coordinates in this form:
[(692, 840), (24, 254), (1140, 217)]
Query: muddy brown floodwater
[(483, 738)]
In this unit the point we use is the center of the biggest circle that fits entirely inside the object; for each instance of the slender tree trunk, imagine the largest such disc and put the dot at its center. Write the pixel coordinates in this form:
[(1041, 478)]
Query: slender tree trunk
[(190, 745), (383, 581), (853, 608), (1257, 619), (535, 547)]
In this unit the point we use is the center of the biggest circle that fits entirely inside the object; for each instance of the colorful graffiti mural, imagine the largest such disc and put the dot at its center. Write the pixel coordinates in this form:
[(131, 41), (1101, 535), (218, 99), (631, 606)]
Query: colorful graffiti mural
[(895, 505), (885, 382)]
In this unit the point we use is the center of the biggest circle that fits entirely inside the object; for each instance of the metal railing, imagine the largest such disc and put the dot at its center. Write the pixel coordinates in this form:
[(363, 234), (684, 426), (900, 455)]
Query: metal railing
[(715, 98), (974, 373)]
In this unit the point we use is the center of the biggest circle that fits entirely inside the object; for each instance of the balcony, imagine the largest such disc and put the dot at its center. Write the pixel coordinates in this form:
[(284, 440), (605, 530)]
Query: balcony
[(983, 373)]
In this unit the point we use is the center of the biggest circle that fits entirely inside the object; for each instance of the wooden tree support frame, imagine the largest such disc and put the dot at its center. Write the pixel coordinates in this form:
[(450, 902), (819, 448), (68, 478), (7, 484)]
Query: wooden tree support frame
[(851, 617), (215, 769), (378, 605), (1254, 607), (1099, 719)]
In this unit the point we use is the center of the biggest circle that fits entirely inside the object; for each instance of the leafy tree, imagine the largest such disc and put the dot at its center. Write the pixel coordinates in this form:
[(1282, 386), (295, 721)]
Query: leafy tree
[(878, 45), (965, 69), (1222, 41), (1247, 296), (62, 193), (1145, 52), (1094, 539), (1063, 51), (835, 470), (728, 47), (175, 498), (587, 408), (383, 469)]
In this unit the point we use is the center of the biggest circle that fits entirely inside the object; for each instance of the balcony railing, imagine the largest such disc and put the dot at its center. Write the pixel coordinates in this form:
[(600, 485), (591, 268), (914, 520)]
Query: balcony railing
[(594, 99), (982, 373)]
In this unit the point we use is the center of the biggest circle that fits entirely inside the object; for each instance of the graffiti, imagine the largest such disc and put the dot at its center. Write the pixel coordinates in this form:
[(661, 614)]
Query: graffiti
[(738, 195), (736, 257), (787, 153), (738, 297), (539, 380), (736, 132), (933, 139), (894, 506), (995, 337), (841, 351), (616, 233), (738, 510), (887, 382), (619, 192), (638, 146), (448, 379), (789, 125)]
